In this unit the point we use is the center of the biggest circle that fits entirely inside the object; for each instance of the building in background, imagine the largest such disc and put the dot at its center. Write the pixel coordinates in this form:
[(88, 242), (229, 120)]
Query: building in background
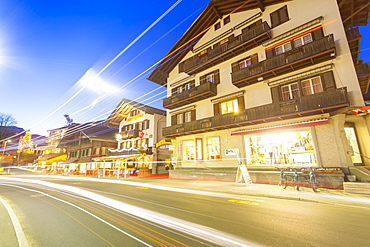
[(274, 81), (139, 130)]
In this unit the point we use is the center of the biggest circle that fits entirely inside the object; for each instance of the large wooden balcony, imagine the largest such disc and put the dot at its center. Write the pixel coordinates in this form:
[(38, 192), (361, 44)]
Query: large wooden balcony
[(354, 38), (203, 91), (312, 53), (237, 45), (324, 102), (363, 75)]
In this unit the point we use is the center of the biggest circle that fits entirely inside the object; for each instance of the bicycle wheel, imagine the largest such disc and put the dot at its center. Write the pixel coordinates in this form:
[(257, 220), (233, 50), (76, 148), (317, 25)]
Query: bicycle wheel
[(313, 183), (296, 182)]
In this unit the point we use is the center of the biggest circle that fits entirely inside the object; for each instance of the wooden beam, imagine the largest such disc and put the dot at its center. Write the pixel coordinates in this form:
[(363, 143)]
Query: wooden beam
[(360, 9), (260, 5)]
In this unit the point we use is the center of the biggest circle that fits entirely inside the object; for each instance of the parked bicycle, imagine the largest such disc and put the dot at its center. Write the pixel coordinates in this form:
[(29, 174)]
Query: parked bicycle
[(289, 178), (309, 180)]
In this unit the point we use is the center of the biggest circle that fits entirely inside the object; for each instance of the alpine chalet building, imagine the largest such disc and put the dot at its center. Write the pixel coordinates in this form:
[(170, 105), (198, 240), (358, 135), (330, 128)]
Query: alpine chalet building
[(274, 81)]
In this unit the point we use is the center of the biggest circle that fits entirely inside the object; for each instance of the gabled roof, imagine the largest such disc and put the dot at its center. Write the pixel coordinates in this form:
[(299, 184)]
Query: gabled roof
[(353, 12), (92, 130), (125, 106), (214, 11)]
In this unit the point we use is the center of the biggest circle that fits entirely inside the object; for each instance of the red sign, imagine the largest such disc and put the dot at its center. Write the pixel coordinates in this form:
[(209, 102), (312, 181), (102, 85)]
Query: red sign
[(141, 134)]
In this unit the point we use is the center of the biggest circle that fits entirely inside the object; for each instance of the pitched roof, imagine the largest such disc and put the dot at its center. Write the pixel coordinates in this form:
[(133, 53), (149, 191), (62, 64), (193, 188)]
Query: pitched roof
[(214, 11), (353, 12), (125, 106)]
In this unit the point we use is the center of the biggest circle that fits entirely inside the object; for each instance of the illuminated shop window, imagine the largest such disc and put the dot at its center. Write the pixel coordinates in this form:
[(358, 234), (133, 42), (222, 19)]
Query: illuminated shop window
[(188, 150), (352, 141), (213, 148), (229, 106), (281, 149)]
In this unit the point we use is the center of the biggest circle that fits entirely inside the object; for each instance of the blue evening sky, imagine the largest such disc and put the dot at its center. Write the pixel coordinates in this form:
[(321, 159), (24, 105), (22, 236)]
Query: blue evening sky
[(46, 47)]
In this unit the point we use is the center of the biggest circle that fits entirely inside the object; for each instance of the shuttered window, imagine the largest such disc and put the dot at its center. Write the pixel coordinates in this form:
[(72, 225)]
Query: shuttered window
[(183, 117), (279, 16)]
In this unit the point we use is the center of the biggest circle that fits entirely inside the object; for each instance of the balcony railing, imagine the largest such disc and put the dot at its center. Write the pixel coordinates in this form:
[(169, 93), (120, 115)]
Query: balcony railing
[(128, 134), (353, 34), (197, 93), (363, 74), (237, 45), (324, 102), (301, 57)]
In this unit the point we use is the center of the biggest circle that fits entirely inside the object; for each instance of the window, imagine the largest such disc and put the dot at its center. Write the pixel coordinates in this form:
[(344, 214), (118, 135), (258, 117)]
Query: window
[(179, 118), (188, 150), (210, 77), (311, 86), (184, 87), (305, 39), (283, 48), (279, 16), (226, 20), (245, 63), (290, 91), (187, 116), (229, 106), (213, 148), (183, 117), (217, 26)]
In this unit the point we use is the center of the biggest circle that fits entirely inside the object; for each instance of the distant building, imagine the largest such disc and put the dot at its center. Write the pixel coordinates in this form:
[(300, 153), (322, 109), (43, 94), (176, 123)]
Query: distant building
[(140, 142), (274, 81)]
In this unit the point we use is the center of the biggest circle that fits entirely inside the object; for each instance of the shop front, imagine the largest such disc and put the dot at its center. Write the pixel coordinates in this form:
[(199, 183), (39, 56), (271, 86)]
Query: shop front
[(288, 148)]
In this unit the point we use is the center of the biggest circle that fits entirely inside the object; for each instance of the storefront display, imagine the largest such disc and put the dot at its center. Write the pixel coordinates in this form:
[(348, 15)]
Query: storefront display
[(352, 141), (287, 148)]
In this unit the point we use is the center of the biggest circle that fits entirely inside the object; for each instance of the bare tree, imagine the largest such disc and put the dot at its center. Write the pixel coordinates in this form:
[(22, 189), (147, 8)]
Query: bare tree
[(6, 120)]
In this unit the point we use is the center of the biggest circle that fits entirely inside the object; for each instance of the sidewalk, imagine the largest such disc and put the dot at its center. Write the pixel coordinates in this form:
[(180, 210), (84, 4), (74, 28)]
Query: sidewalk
[(260, 190)]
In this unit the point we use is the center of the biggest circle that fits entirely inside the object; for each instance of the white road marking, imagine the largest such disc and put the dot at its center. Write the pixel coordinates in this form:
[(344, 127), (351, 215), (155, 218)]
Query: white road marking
[(21, 237)]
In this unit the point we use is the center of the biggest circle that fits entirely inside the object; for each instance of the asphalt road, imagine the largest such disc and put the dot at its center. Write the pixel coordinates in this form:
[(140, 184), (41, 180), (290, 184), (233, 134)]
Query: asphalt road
[(73, 212)]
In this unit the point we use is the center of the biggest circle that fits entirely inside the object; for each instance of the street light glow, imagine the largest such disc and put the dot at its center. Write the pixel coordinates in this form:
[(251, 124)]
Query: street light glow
[(93, 81)]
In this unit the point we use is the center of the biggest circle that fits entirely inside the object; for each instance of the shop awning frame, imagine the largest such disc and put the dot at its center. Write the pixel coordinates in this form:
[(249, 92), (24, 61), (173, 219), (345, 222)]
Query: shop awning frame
[(282, 126)]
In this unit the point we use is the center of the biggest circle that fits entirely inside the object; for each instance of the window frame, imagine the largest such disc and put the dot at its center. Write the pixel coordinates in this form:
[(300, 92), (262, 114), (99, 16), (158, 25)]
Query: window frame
[(210, 146), (290, 91), (312, 86), (235, 106)]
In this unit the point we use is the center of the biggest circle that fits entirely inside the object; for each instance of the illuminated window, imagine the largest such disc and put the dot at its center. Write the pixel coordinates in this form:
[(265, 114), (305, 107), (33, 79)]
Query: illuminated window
[(217, 25), (229, 106), (189, 150), (245, 63), (305, 39), (213, 148), (210, 77), (283, 48), (311, 86), (187, 116), (226, 20), (290, 91), (223, 41)]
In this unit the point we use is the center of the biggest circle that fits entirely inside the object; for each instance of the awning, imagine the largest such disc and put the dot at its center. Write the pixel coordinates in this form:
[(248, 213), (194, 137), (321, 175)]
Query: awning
[(283, 126), (115, 157), (365, 109), (68, 161)]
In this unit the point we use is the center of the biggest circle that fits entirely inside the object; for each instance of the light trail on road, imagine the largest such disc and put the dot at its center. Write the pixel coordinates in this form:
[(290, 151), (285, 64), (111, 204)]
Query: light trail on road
[(192, 229)]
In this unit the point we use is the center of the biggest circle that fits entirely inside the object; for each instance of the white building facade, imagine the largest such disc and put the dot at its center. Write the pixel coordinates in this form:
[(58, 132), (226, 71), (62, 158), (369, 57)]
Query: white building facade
[(274, 81)]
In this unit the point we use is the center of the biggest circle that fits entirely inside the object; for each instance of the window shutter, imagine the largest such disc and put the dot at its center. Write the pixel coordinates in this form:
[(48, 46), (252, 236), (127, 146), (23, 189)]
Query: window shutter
[(254, 58), (274, 19), (202, 79), (328, 80), (241, 105), (216, 109), (275, 94), (193, 117), (270, 53), (284, 14), (234, 67), (317, 34), (217, 77), (173, 120)]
